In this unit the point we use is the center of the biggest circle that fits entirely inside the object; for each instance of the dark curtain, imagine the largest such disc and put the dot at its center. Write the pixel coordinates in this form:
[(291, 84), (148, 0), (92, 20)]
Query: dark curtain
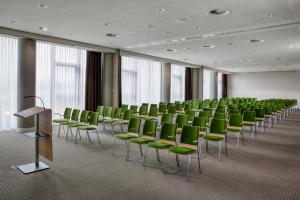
[(188, 84), (225, 86), (93, 86)]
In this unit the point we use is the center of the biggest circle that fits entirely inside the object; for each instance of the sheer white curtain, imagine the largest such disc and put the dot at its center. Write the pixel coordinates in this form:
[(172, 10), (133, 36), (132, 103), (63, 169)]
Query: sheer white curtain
[(141, 81), (220, 85), (207, 79), (8, 82), (60, 76), (177, 83)]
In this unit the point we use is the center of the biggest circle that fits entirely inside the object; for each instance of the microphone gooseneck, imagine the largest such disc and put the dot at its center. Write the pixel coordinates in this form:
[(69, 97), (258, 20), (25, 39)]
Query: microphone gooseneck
[(37, 98)]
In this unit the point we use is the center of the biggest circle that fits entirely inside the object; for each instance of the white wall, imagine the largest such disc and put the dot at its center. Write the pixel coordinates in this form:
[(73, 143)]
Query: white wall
[(264, 85)]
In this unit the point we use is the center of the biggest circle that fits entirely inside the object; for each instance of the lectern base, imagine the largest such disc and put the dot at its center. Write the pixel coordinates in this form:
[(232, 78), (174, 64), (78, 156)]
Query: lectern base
[(31, 168)]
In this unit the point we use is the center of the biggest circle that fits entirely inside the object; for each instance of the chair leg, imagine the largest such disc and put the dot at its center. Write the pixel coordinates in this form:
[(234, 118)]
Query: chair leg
[(220, 147), (67, 133), (157, 155), (166, 162), (145, 156), (238, 139), (128, 150), (115, 142), (58, 135), (188, 169), (141, 150), (98, 136), (86, 137), (77, 130), (225, 142), (199, 162)]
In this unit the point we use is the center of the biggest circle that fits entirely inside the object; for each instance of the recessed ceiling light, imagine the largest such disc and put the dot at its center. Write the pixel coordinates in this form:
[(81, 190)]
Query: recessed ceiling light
[(43, 6), (219, 12), (142, 45), (216, 62), (183, 39), (107, 24), (281, 31), (42, 28), (209, 35), (154, 43), (112, 35), (167, 33), (271, 15), (160, 10), (256, 41), (175, 40), (12, 21), (171, 50), (292, 46), (182, 20), (187, 48), (150, 26), (287, 64), (208, 46), (130, 47), (246, 60), (280, 58), (148, 37), (229, 43), (130, 31), (198, 27)]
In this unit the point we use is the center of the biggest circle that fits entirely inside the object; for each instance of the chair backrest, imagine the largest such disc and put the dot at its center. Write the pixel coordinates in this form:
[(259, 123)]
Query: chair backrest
[(108, 112), (172, 109), (94, 118), (84, 116), (117, 113), (166, 118), (187, 106), (219, 116), (178, 106), (67, 113), (127, 115), (149, 128), (124, 107), (162, 107), (145, 104), (200, 122), (153, 105), (134, 125), (236, 120), (217, 126), (75, 114), (181, 120), (205, 114), (153, 111), (191, 114), (259, 113), (133, 108), (201, 106), (189, 135), (234, 111), (168, 131), (220, 110), (100, 110), (143, 110), (249, 116), (268, 110)]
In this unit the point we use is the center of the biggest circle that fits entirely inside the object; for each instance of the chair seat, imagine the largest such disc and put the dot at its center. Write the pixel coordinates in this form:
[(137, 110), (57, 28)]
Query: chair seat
[(142, 140), (77, 124), (179, 130), (247, 123), (60, 120), (268, 116), (161, 144), (182, 150), (151, 117), (274, 113), (213, 137), (234, 129), (121, 121), (126, 136), (259, 119), (110, 120), (87, 127)]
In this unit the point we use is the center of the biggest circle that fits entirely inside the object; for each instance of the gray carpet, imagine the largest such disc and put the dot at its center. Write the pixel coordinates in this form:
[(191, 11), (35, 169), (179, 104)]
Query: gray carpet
[(267, 168)]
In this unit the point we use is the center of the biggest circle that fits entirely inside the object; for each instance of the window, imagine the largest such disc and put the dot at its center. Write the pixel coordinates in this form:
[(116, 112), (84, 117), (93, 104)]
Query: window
[(207, 79), (141, 81), (60, 76), (220, 85), (177, 83), (8, 82)]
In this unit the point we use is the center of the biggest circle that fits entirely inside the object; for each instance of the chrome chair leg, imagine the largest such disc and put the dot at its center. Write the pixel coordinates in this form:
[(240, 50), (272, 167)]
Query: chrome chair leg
[(188, 169)]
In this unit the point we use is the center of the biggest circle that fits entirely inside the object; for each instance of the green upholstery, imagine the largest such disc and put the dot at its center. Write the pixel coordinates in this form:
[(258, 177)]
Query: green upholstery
[(115, 117), (200, 122), (172, 109), (167, 133), (259, 114), (213, 138), (235, 120), (153, 105), (182, 150), (218, 126), (82, 121), (189, 135), (93, 122), (66, 116), (100, 110), (181, 120), (249, 116), (159, 145), (124, 107), (205, 114), (126, 118), (162, 108), (153, 112), (133, 127), (134, 109), (191, 114), (149, 129), (143, 111), (219, 115)]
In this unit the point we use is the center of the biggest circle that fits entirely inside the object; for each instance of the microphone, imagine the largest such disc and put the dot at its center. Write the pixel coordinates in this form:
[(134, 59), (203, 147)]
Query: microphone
[(37, 98)]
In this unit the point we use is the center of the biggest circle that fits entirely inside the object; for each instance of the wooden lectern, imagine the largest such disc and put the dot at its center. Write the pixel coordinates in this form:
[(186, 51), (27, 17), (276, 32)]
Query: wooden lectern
[(42, 135)]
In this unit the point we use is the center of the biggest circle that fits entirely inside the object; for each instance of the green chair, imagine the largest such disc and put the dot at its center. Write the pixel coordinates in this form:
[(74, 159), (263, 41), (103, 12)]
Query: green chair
[(268, 115), (74, 119), (191, 114), (115, 117), (249, 121), (166, 140), (153, 113), (172, 109), (217, 133), (143, 111), (178, 107), (123, 108), (134, 109), (260, 117), (205, 114), (181, 120), (107, 116), (90, 127), (100, 110), (83, 120), (63, 118), (235, 127), (132, 132), (162, 108), (189, 145), (149, 135), (201, 122), (219, 116), (153, 105), (165, 118), (124, 121)]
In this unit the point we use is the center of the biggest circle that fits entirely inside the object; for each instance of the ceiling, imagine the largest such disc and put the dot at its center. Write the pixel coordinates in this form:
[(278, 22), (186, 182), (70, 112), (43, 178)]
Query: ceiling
[(184, 26)]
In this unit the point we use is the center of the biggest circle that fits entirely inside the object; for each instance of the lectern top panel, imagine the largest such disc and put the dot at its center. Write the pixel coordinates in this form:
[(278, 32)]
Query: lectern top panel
[(30, 112)]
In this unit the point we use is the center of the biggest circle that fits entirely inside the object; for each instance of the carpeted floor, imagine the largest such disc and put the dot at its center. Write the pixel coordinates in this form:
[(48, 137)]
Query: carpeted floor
[(267, 168)]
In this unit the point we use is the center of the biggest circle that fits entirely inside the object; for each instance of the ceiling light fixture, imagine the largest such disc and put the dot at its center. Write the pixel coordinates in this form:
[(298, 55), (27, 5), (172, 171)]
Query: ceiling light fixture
[(187, 48), (198, 27), (229, 43), (182, 20), (12, 21), (112, 35), (208, 46), (43, 6), (160, 10), (142, 45), (246, 60), (130, 31), (219, 12), (175, 40), (271, 15), (280, 58), (256, 41), (209, 35), (183, 39), (167, 33), (42, 28), (292, 46), (171, 50)]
